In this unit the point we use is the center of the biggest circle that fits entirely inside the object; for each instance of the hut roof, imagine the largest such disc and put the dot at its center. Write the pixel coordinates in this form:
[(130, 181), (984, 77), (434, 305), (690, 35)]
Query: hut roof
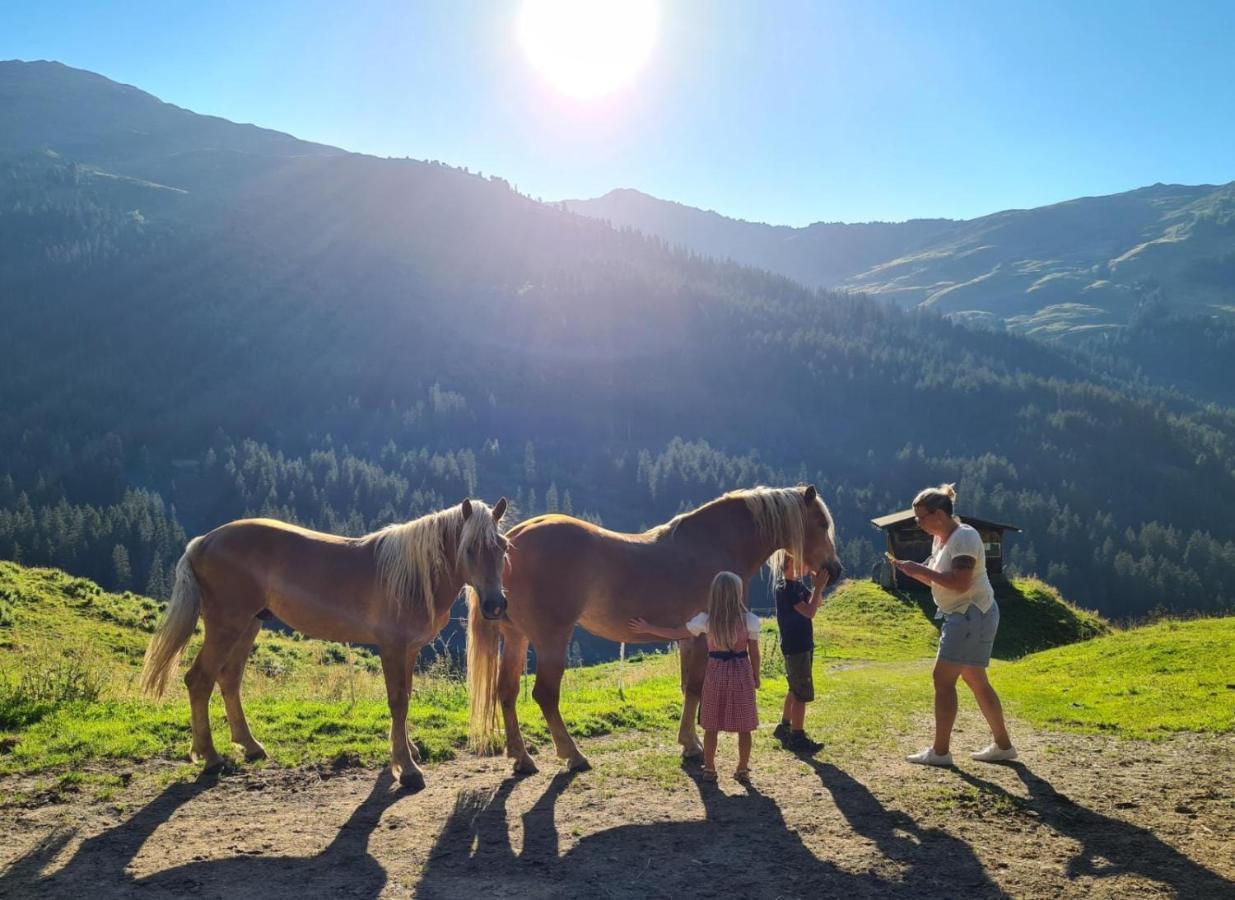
[(905, 516)]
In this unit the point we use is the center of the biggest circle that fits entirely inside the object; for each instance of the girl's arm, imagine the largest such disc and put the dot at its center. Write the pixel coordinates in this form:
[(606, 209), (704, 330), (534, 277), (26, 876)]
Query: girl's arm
[(752, 648), (643, 626)]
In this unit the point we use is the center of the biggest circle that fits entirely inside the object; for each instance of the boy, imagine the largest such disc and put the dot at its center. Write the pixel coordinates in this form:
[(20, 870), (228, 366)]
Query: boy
[(796, 606)]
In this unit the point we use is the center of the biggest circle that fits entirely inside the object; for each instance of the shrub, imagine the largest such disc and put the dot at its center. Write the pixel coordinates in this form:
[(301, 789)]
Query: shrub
[(41, 685)]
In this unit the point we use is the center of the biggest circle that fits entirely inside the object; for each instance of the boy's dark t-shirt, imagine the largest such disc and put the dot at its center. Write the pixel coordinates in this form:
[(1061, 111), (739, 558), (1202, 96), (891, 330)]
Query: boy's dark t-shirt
[(796, 634)]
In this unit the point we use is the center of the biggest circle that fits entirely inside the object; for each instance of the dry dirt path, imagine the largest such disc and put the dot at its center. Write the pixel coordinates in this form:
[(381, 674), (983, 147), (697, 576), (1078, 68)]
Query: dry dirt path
[(1081, 816)]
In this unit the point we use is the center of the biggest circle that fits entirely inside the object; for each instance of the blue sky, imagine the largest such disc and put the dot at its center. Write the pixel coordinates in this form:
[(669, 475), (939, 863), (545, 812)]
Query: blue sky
[(780, 112)]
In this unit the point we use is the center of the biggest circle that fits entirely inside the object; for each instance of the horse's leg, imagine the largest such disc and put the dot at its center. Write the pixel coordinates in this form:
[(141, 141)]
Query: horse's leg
[(509, 680), (229, 686), (200, 679), (412, 654), (694, 663), (550, 667), (398, 688)]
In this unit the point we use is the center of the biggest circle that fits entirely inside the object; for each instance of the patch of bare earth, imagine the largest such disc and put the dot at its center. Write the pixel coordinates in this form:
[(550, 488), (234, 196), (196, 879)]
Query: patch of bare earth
[(1079, 815)]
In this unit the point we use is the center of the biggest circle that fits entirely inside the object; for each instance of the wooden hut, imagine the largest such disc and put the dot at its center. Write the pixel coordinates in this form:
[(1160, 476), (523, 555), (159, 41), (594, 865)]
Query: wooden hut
[(907, 541)]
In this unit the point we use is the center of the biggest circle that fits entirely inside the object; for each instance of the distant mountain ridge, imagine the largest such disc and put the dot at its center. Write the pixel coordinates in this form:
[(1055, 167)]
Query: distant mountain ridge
[(1065, 270)]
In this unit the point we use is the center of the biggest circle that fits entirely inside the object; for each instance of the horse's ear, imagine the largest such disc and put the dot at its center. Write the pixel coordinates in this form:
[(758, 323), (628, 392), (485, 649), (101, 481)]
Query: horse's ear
[(499, 510), (809, 496), (467, 509)]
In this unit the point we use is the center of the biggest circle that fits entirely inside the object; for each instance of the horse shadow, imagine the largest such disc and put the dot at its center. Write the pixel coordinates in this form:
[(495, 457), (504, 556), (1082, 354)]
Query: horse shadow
[(1109, 847), (742, 847), (99, 867)]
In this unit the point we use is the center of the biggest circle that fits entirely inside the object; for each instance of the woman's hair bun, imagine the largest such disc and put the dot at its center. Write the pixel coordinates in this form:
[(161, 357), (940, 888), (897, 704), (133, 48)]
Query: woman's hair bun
[(949, 490)]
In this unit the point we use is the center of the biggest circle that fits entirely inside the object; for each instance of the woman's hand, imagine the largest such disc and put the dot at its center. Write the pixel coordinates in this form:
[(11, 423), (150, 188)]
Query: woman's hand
[(916, 570)]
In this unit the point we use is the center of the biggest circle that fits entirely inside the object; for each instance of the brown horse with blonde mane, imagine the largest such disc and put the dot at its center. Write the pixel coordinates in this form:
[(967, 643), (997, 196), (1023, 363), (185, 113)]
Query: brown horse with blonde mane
[(562, 571), (392, 588)]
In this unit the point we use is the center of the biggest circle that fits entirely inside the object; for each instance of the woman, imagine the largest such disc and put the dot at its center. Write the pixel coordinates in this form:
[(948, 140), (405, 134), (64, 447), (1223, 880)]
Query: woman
[(956, 573)]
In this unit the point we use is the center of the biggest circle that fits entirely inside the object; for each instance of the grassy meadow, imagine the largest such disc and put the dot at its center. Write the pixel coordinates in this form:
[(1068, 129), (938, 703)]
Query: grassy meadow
[(70, 707)]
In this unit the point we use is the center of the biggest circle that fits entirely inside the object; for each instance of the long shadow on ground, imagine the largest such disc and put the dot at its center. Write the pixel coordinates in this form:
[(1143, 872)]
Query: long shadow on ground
[(1109, 847), (742, 848), (99, 867)]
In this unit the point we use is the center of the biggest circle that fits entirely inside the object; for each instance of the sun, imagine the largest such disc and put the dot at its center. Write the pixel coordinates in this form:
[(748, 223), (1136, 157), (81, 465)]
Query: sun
[(587, 48)]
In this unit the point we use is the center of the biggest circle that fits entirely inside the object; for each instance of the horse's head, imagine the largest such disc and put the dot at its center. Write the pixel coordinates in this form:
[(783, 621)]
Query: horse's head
[(482, 555), (819, 537)]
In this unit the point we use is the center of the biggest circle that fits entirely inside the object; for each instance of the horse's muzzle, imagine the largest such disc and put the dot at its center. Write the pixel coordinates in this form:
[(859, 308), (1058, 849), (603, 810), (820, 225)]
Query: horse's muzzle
[(835, 571), (493, 607)]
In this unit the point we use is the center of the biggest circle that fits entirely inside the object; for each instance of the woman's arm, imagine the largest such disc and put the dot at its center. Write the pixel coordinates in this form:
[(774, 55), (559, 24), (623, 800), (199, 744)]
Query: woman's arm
[(752, 649), (959, 579), (643, 626)]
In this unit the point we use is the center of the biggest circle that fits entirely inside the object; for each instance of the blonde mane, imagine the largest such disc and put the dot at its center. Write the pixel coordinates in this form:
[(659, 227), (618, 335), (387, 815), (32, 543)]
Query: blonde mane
[(411, 555), (779, 516)]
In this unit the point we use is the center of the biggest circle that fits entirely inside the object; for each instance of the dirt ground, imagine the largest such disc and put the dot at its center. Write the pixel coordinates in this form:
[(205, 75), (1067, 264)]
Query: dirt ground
[(1077, 816)]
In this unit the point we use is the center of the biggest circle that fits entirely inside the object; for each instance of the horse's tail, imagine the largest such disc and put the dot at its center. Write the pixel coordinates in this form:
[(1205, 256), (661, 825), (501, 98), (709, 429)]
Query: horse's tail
[(175, 629), (483, 663)]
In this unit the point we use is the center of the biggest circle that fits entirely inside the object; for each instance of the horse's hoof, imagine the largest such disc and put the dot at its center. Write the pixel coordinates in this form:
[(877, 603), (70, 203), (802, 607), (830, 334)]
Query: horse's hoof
[(212, 765), (525, 766), (692, 754), (254, 753), (578, 763), (412, 779)]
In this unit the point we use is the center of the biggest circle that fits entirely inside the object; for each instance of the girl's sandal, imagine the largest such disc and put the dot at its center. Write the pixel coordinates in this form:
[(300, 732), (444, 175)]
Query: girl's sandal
[(708, 776), (742, 776)]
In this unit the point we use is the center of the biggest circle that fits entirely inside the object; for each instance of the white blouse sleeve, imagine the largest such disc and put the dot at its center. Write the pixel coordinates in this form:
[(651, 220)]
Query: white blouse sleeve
[(972, 546), (752, 626), (698, 625)]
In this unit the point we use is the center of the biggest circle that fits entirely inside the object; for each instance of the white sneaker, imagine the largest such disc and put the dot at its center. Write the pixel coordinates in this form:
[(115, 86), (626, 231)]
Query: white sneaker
[(994, 753), (929, 757)]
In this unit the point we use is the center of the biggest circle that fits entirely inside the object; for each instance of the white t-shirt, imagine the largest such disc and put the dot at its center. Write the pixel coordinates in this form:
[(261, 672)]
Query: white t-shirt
[(965, 541), (699, 625)]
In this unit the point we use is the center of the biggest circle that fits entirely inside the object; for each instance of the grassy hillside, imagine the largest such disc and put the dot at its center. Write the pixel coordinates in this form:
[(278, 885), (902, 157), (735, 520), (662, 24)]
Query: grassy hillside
[(1145, 682)]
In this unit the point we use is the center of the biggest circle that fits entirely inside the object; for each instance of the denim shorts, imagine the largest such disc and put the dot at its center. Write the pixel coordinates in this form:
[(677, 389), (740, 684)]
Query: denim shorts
[(967, 638)]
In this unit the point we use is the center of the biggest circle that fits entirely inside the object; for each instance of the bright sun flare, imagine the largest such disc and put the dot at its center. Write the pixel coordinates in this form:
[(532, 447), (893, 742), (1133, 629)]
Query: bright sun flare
[(587, 48)]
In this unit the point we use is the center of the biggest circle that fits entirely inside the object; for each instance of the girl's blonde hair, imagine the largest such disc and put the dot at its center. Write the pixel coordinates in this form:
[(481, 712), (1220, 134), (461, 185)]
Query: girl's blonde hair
[(941, 497), (726, 612)]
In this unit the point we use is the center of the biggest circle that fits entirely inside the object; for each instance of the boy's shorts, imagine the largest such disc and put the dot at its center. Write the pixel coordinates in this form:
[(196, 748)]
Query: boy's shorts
[(798, 672)]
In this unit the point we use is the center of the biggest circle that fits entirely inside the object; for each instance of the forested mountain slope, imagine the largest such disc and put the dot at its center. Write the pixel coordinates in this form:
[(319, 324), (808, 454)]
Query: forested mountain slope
[(1069, 270), (346, 341)]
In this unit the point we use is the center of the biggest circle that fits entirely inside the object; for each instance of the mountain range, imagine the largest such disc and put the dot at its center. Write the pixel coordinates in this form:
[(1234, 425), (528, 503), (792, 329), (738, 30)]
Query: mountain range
[(1065, 271), (204, 320)]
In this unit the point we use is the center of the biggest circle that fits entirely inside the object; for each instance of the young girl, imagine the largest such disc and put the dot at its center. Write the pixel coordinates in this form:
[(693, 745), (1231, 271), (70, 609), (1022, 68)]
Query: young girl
[(733, 669)]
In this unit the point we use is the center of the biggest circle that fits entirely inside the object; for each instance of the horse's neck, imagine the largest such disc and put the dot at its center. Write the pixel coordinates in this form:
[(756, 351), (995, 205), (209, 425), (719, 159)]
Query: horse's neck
[(726, 530), (446, 589)]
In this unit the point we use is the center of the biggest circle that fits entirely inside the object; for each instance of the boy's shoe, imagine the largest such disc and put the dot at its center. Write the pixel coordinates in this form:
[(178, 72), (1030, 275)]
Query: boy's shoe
[(995, 753), (781, 731), (929, 757), (799, 743)]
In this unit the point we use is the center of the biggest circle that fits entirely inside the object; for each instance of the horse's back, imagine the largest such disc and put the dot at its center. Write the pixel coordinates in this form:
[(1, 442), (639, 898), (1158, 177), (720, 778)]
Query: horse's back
[(259, 550), (569, 569), (304, 577)]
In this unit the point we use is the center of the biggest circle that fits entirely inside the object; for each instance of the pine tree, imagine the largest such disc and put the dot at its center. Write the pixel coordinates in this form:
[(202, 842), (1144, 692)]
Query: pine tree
[(529, 464), (122, 572)]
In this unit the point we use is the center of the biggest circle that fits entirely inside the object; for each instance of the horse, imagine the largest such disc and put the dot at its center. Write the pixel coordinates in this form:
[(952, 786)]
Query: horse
[(392, 588), (562, 571)]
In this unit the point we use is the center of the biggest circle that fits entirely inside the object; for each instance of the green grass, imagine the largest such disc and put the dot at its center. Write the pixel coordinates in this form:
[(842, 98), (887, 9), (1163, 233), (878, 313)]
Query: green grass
[(1147, 682), (70, 654)]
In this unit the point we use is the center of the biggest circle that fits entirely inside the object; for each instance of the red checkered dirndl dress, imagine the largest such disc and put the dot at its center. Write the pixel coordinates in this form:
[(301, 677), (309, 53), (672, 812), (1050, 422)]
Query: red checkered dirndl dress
[(729, 693)]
